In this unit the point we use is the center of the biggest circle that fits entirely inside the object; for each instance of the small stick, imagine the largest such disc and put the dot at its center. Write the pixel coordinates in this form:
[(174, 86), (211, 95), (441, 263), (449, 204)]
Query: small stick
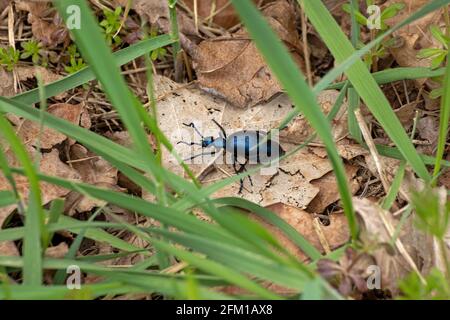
[(372, 148)]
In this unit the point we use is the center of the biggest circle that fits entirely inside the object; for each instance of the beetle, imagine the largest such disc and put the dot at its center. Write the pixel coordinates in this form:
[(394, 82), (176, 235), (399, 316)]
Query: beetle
[(252, 145)]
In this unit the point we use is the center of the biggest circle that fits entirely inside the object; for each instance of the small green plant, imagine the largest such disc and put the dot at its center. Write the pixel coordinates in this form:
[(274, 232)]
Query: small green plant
[(76, 62), (159, 53), (380, 51), (34, 50), (437, 56), (9, 57), (111, 25), (436, 287)]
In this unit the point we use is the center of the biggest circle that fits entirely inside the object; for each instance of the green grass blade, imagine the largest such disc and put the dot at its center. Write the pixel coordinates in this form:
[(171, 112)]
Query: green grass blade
[(34, 220), (398, 74), (7, 198), (443, 122)]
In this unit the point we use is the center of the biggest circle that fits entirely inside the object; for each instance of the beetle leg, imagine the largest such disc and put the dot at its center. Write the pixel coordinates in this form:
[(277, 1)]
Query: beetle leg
[(201, 154), (243, 168), (241, 181)]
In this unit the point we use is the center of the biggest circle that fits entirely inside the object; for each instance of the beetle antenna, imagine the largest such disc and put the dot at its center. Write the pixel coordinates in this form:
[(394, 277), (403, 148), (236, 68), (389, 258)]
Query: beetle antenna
[(192, 125), (189, 143), (220, 127)]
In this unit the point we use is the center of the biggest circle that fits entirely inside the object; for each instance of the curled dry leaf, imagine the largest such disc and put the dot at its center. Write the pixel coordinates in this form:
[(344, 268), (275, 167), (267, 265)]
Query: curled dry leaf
[(232, 68), (29, 131)]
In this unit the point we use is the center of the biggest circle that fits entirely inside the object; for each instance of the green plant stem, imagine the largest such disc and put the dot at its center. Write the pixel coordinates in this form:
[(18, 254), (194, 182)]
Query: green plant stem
[(176, 47)]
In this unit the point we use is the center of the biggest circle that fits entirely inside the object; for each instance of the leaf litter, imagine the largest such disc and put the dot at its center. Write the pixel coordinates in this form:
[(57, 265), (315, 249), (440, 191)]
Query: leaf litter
[(235, 87)]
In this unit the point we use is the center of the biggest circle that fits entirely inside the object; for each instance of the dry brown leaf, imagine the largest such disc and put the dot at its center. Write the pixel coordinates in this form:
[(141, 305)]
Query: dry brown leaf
[(29, 131), (329, 190), (156, 12), (336, 233), (299, 129), (50, 33), (392, 265), (93, 170), (232, 68), (57, 252), (22, 74)]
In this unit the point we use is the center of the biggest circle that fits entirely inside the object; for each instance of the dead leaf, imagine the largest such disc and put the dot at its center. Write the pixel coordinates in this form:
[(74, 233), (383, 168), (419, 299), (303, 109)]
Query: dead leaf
[(336, 233), (50, 33), (329, 190), (57, 252), (29, 131), (93, 170), (24, 73), (232, 68)]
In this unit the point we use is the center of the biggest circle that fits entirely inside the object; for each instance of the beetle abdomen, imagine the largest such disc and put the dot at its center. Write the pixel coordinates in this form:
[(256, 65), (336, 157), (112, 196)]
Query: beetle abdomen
[(250, 145)]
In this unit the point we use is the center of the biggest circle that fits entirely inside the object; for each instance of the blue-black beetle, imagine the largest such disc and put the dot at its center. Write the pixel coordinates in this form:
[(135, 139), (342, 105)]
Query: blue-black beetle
[(252, 145)]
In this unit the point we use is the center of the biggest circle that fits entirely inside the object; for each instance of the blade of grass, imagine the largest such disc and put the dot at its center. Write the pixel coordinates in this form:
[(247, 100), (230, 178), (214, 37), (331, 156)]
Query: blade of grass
[(388, 201), (34, 219), (398, 74), (7, 198), (443, 122)]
